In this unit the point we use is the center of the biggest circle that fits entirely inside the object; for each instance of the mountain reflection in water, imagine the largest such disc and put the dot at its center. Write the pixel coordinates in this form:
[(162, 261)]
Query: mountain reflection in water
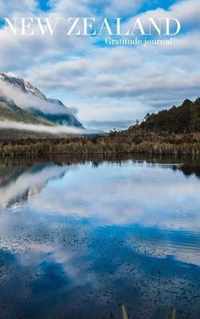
[(78, 241)]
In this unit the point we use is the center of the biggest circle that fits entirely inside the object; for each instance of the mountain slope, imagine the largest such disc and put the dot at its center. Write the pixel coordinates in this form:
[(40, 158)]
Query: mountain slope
[(182, 119), (11, 112), (31, 100)]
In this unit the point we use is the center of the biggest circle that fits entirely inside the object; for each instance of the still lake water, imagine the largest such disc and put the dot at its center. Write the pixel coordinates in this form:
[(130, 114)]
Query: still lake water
[(78, 241)]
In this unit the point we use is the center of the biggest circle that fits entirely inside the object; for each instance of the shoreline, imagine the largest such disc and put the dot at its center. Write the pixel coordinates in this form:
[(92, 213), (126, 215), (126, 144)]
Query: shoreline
[(115, 144)]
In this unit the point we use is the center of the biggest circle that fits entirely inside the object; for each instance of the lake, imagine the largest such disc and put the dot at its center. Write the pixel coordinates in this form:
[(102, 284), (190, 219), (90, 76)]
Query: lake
[(79, 241)]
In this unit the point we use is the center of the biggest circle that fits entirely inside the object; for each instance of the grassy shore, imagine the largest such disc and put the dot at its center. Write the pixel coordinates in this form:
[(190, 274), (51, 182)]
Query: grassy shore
[(129, 142)]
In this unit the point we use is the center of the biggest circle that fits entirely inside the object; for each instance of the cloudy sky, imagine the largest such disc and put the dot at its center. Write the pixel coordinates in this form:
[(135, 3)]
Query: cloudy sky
[(103, 82)]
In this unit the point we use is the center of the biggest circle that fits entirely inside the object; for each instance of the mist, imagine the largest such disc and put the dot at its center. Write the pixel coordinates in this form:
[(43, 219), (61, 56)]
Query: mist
[(41, 128)]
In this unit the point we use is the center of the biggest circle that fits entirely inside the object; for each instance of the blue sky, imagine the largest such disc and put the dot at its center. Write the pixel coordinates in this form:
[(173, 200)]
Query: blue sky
[(103, 82), (44, 5)]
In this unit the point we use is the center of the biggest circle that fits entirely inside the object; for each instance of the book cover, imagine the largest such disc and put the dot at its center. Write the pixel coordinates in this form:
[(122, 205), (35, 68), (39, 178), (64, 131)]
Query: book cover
[(99, 159)]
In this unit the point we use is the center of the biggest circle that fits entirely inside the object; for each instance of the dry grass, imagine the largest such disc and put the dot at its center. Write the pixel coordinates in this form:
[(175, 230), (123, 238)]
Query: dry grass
[(127, 142)]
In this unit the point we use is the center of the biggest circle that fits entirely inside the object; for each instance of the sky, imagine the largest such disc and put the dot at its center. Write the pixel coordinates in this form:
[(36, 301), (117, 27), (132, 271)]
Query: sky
[(106, 83)]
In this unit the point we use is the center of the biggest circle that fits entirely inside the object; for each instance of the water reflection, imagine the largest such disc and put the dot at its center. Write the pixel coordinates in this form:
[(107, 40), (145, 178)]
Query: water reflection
[(17, 185), (77, 241)]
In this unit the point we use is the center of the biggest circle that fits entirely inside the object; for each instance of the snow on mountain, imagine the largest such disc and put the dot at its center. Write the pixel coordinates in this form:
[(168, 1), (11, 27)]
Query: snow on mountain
[(31, 99)]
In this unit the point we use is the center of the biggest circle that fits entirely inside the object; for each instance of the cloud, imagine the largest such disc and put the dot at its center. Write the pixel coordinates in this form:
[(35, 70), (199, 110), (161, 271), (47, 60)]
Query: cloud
[(38, 49), (145, 80), (103, 7), (10, 8), (70, 8), (121, 8), (87, 75), (187, 12)]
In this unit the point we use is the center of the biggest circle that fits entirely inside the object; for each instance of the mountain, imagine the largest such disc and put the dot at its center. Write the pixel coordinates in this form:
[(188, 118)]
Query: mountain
[(20, 98), (182, 119), (10, 111)]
